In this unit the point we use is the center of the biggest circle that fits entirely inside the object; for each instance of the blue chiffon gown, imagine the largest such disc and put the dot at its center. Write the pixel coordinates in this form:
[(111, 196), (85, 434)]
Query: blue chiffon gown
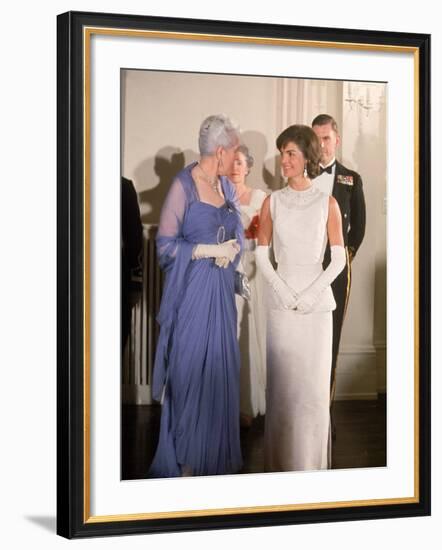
[(196, 371)]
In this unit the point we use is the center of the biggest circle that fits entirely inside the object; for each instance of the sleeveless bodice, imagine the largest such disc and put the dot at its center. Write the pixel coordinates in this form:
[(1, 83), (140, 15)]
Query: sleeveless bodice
[(300, 237), (204, 222)]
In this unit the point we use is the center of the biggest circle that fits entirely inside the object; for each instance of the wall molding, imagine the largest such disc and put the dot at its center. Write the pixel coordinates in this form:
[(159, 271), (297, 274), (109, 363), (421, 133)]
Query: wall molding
[(362, 349)]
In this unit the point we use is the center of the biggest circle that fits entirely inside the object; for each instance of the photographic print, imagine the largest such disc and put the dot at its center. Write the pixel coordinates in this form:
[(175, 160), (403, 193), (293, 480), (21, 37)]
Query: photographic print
[(243, 274), (351, 122)]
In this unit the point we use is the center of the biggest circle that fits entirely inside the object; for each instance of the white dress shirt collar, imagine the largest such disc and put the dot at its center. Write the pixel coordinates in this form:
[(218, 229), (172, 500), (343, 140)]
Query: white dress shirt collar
[(329, 164)]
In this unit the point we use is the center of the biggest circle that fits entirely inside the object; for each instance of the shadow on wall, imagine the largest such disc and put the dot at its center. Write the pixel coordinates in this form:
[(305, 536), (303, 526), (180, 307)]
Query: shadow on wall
[(380, 319), (368, 159), (154, 176), (262, 176)]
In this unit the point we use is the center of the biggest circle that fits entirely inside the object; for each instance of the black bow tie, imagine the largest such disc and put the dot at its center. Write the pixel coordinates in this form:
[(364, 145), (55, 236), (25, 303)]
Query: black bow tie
[(328, 169)]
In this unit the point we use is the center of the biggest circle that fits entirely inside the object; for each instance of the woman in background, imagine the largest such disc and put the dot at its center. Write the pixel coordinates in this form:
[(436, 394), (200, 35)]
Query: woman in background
[(299, 219), (251, 314), (196, 371)]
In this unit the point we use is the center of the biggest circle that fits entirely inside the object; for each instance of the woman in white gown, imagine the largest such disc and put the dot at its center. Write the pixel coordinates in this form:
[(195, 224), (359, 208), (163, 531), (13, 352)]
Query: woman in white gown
[(251, 314), (298, 220)]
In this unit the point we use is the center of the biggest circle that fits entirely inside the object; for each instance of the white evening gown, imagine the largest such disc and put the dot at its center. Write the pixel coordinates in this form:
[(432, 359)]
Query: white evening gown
[(251, 321), (299, 346)]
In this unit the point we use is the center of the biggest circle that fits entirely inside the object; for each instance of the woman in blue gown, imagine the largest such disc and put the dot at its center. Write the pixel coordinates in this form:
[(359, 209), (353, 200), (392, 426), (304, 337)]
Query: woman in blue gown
[(196, 371)]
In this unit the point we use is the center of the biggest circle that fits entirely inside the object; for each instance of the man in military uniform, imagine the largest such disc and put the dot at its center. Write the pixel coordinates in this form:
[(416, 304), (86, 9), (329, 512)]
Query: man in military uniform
[(346, 186)]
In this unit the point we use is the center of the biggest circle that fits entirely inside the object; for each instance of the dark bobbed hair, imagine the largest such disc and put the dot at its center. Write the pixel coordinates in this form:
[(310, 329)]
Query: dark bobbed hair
[(307, 141), (323, 119)]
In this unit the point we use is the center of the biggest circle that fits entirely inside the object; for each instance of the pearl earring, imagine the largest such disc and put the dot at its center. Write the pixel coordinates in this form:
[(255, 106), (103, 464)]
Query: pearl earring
[(305, 171)]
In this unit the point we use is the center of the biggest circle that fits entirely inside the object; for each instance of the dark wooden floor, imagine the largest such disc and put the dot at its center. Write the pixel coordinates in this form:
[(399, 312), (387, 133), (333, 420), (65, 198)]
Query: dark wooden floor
[(360, 437)]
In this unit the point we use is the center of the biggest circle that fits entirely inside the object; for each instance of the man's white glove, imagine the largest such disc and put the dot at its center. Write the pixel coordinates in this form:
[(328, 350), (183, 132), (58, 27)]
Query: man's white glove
[(223, 253), (309, 297), (286, 296)]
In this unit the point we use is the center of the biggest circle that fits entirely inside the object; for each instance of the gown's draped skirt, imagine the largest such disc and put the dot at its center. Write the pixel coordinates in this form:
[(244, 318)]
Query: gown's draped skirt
[(197, 357), (199, 430), (251, 334), (299, 351)]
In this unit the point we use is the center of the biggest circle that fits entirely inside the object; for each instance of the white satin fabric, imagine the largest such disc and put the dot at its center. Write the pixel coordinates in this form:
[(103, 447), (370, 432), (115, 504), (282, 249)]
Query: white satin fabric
[(251, 321), (299, 346)]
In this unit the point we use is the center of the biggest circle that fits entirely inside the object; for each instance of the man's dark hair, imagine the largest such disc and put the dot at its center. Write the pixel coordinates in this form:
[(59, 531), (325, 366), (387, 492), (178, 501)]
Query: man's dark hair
[(323, 119)]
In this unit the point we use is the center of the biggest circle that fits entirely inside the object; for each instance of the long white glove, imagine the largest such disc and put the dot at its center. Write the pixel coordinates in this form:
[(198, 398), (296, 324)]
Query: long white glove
[(309, 297), (286, 296), (223, 253)]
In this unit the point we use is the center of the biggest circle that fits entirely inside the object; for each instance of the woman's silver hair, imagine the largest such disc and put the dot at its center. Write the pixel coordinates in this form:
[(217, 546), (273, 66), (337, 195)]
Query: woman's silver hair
[(217, 131), (245, 151)]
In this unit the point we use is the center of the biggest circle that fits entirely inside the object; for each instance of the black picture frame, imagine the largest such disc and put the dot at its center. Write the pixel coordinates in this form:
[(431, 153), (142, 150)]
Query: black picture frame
[(73, 517)]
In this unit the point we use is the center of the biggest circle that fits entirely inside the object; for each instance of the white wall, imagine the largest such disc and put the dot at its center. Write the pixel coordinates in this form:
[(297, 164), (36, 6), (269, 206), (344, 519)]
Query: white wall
[(362, 363), (27, 211), (162, 112)]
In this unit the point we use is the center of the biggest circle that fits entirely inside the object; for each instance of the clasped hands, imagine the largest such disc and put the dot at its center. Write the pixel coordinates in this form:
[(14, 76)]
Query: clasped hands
[(302, 302), (223, 253), (288, 298)]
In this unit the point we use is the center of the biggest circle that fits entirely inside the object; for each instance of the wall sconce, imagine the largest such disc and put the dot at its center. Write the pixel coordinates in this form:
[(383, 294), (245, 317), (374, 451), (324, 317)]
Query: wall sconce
[(355, 98)]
